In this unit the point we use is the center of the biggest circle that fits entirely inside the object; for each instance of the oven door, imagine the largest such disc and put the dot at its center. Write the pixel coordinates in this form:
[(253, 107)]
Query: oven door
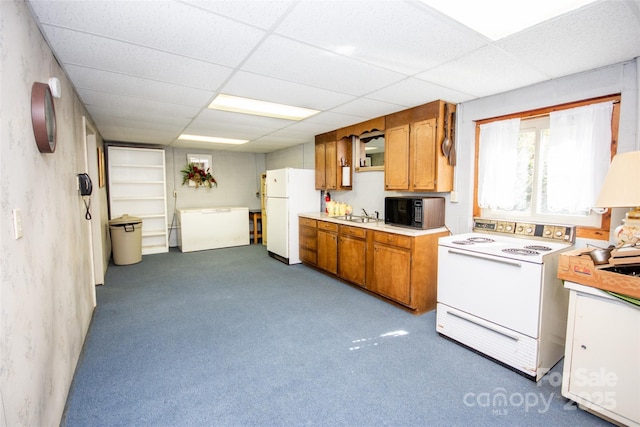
[(500, 290)]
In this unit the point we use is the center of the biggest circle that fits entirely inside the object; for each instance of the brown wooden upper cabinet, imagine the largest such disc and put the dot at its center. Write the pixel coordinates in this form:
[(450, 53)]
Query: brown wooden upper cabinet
[(414, 159), (413, 154), (332, 155)]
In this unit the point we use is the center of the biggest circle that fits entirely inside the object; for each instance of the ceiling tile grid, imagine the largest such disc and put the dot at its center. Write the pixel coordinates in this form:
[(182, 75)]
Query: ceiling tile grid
[(147, 70)]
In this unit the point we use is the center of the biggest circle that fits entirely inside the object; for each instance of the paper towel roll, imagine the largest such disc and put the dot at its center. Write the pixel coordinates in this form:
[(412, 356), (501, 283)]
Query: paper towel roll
[(346, 176)]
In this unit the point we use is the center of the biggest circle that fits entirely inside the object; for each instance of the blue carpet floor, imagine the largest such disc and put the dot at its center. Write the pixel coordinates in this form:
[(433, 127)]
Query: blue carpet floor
[(231, 337)]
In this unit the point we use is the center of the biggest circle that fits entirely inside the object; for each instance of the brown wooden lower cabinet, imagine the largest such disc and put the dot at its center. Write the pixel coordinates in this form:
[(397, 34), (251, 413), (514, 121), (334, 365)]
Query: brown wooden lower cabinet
[(308, 240), (397, 267), (392, 273), (328, 246), (352, 254)]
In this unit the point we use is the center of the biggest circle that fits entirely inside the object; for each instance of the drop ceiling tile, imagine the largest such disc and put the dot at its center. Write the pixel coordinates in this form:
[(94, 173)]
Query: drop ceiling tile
[(122, 84), (411, 92), (124, 134), (76, 48), (279, 141), (487, 71), (265, 88), (212, 122), (103, 115), (367, 108), (334, 120), (199, 145), (169, 26), (128, 105), (558, 47), (170, 125), (259, 13), (296, 62), (399, 36), (304, 129)]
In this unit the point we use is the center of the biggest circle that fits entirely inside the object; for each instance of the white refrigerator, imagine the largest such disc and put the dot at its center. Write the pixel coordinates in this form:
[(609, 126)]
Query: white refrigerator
[(289, 192)]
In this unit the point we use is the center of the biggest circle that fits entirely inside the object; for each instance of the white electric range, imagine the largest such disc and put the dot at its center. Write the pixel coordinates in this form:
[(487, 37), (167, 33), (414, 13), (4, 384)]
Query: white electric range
[(499, 295)]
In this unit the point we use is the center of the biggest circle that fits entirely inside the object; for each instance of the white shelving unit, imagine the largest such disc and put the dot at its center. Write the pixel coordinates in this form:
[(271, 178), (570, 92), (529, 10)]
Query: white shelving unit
[(137, 187)]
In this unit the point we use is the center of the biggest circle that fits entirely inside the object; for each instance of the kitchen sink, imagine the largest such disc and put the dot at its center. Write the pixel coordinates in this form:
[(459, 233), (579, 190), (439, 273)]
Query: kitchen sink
[(356, 218)]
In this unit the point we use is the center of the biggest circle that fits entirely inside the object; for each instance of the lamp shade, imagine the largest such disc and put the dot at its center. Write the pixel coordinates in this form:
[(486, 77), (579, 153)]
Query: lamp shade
[(621, 188)]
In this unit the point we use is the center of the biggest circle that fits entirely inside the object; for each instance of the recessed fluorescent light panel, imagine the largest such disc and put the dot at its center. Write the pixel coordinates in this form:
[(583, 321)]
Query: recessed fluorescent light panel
[(497, 19), (213, 139), (238, 104)]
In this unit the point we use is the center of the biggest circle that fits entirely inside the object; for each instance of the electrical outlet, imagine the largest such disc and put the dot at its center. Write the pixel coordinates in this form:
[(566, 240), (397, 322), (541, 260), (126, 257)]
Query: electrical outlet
[(454, 197), (17, 223)]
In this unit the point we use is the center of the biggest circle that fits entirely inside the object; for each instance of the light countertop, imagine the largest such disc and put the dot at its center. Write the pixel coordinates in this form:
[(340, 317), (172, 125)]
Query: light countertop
[(376, 226)]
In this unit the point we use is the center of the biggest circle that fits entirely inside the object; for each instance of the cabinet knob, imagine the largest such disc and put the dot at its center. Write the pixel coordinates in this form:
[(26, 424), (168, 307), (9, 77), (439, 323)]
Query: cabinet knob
[(584, 347)]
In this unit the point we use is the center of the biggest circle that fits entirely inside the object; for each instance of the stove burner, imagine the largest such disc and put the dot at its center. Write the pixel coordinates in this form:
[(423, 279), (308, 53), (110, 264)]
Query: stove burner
[(480, 240), (462, 242), (538, 248), (517, 251)]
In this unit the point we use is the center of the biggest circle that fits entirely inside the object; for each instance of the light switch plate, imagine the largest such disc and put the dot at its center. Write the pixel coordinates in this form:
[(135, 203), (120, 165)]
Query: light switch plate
[(17, 223)]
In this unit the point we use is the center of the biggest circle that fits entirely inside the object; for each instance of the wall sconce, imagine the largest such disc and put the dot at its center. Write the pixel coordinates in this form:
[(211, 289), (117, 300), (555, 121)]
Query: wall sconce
[(621, 189)]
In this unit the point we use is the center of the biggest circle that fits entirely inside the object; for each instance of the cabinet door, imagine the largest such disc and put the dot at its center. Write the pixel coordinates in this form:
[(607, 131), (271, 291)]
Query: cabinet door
[(604, 360), (331, 165), (396, 158), (423, 155), (320, 166), (328, 251), (308, 244), (392, 272), (351, 262)]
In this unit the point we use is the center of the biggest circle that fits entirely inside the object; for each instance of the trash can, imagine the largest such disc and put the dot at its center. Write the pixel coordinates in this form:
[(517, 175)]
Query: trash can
[(126, 239)]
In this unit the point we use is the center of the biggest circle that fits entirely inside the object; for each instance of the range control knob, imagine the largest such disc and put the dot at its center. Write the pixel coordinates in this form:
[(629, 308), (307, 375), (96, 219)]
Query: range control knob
[(509, 227), (559, 233), (529, 230)]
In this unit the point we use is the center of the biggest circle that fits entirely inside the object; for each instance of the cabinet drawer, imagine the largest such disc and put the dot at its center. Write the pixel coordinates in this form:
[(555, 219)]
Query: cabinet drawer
[(393, 239), (329, 226), (346, 230), (307, 222)]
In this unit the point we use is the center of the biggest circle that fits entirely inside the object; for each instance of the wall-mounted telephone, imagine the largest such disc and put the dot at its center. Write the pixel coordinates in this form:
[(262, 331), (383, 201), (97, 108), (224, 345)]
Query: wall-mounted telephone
[(84, 182), (85, 186)]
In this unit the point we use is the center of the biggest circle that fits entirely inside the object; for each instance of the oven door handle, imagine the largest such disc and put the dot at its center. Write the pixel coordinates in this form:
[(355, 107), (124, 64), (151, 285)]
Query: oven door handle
[(513, 337), (473, 255)]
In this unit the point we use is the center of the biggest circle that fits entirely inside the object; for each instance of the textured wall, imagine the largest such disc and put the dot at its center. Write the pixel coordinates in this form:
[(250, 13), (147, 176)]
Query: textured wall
[(46, 298)]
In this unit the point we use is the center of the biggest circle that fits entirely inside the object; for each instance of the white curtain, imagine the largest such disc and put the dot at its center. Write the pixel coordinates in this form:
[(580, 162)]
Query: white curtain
[(577, 156), (498, 165)]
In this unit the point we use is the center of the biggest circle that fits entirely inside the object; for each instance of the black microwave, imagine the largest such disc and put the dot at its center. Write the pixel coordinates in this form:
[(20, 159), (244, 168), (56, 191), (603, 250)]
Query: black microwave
[(423, 212)]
